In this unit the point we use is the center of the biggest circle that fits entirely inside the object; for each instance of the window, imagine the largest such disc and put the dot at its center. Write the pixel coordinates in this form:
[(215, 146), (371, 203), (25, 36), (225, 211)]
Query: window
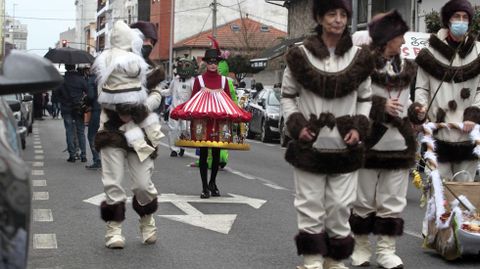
[(235, 28), (264, 28)]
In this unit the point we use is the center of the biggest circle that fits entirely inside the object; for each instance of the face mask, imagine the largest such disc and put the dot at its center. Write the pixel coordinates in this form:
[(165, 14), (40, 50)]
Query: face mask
[(146, 50), (458, 28)]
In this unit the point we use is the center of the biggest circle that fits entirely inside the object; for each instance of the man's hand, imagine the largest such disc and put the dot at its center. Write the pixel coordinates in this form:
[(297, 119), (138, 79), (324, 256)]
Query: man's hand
[(468, 126), (306, 134), (352, 137), (393, 107)]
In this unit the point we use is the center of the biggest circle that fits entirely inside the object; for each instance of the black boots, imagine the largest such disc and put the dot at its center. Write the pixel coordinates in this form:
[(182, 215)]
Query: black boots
[(213, 188)]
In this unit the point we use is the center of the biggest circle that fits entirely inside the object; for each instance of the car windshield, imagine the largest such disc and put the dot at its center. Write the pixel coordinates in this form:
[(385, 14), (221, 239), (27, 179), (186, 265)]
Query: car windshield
[(274, 98)]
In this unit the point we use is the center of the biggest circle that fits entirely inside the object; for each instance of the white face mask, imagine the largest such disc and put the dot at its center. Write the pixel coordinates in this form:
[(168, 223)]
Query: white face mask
[(458, 28)]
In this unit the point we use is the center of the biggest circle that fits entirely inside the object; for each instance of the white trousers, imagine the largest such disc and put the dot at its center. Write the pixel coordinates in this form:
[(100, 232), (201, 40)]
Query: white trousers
[(175, 128), (323, 202), (114, 161), (380, 191), (448, 170)]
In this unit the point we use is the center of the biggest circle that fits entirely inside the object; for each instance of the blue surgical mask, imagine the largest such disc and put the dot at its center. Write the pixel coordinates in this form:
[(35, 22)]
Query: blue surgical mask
[(458, 28)]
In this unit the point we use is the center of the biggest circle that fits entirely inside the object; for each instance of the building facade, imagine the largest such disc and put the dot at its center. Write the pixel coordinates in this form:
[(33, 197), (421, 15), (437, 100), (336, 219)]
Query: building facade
[(15, 33), (85, 12)]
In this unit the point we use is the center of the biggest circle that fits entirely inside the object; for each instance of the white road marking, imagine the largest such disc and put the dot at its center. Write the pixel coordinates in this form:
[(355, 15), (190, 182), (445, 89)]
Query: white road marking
[(44, 241), (38, 173), (37, 146), (37, 164), (39, 183), (40, 196), (38, 151), (42, 215), (39, 157), (414, 234), (37, 142)]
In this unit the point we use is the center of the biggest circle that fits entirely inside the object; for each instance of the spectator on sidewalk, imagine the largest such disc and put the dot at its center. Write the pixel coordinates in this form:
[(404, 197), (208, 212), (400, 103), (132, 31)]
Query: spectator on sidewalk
[(94, 122)]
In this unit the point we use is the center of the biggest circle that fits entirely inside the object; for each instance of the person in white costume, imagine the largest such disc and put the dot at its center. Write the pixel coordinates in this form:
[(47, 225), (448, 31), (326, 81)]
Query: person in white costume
[(447, 88), (180, 89), (391, 146), (326, 97), (129, 132)]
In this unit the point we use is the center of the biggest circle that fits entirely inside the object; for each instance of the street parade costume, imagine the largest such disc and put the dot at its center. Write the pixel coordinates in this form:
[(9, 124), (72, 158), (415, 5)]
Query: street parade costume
[(334, 97), (180, 90), (122, 77), (447, 80), (391, 147)]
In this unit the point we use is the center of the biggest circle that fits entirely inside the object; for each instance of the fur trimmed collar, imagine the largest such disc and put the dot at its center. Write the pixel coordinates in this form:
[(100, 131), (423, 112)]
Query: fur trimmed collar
[(397, 81), (436, 42), (330, 85), (441, 71), (318, 48)]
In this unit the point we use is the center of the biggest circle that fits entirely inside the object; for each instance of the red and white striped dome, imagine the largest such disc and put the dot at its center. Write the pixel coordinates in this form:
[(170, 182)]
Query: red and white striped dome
[(210, 104)]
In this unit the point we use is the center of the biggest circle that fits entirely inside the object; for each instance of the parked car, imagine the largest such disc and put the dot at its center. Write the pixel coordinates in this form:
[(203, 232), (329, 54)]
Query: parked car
[(265, 108), (18, 113), (284, 135), (21, 72)]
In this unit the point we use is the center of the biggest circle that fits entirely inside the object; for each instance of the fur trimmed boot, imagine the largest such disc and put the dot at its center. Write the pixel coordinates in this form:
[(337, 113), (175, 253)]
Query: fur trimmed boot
[(386, 256), (314, 261), (330, 263), (362, 251), (148, 229), (113, 237)]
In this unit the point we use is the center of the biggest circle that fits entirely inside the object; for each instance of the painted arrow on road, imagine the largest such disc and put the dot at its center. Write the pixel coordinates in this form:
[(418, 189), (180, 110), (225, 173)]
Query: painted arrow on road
[(221, 223)]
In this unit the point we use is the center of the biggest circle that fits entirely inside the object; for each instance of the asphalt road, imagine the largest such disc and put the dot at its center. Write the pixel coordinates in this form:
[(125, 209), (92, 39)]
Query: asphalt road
[(251, 226)]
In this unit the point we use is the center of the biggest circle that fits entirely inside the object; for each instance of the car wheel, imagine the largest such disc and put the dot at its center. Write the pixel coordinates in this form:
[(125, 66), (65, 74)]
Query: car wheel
[(250, 135), (265, 134)]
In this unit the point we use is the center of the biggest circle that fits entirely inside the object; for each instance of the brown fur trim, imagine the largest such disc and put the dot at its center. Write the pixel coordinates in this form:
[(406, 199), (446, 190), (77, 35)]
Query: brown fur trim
[(114, 139), (472, 113), (340, 249), (454, 151), (441, 71), (362, 226), (295, 123), (330, 85), (357, 122), (465, 93), (139, 112), (452, 105), (441, 114), (448, 52), (377, 131), (375, 159), (143, 210), (325, 119), (388, 226), (156, 76), (311, 244), (398, 82), (303, 156), (115, 212), (318, 48), (413, 115), (114, 122), (377, 112)]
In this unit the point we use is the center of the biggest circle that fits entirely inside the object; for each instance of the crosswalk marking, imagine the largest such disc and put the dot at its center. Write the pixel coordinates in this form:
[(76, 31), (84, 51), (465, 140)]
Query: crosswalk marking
[(39, 183), (38, 151), (44, 241), (39, 157), (40, 195), (38, 173), (42, 215), (37, 164)]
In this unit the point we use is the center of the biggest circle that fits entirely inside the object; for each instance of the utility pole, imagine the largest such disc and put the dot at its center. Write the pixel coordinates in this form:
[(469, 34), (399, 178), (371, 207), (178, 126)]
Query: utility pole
[(214, 19), (170, 50)]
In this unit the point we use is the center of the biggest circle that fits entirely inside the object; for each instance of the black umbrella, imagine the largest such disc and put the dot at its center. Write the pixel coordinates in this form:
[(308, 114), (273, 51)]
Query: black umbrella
[(67, 55)]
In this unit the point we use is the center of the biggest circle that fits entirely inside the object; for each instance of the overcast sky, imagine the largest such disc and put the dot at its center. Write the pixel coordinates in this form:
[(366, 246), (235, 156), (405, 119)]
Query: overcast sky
[(46, 19)]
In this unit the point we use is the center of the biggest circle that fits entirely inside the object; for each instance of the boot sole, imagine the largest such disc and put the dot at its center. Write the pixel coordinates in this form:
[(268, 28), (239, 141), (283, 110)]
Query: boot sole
[(116, 245)]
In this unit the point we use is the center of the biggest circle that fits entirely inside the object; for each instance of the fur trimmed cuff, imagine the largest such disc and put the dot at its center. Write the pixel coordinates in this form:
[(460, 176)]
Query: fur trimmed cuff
[(115, 212), (377, 112), (472, 113), (311, 244), (144, 210), (295, 124), (357, 122), (114, 139), (340, 249), (388, 226), (413, 115), (362, 226)]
